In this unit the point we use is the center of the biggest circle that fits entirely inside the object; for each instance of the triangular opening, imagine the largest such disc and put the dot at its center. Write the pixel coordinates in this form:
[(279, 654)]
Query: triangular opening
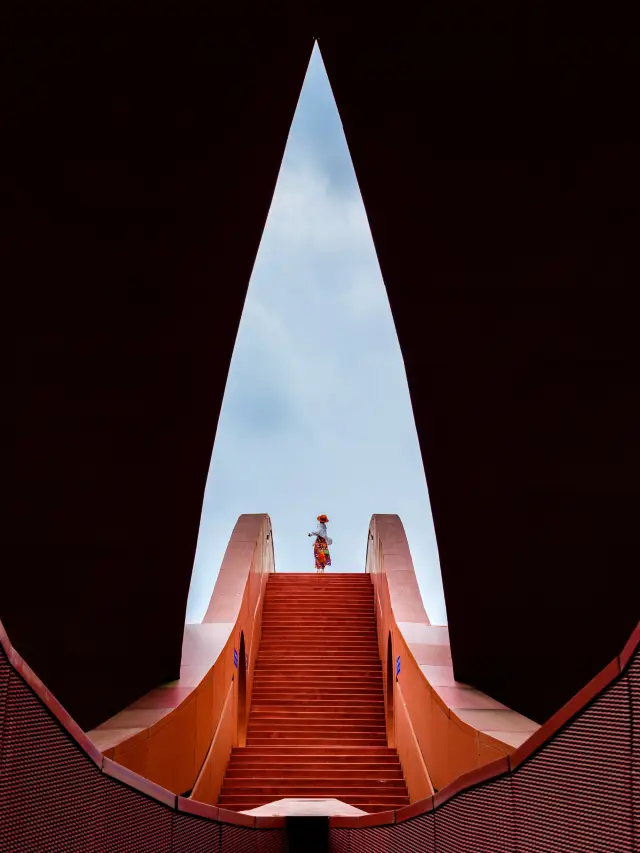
[(316, 416)]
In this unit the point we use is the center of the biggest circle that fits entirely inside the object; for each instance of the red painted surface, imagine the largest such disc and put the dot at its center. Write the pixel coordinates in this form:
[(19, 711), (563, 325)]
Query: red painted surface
[(168, 734), (317, 721), (572, 793)]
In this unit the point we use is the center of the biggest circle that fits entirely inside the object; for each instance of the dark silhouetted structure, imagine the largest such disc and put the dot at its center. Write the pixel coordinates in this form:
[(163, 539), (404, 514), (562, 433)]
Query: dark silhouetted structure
[(497, 157)]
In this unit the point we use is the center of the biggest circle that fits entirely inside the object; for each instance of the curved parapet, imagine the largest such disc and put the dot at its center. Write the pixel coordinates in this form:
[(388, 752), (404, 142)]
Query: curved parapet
[(58, 792), (440, 727), (166, 735), (571, 786)]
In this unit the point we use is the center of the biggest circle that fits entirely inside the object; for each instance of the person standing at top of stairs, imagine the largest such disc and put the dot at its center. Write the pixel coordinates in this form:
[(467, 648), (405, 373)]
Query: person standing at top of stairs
[(321, 545)]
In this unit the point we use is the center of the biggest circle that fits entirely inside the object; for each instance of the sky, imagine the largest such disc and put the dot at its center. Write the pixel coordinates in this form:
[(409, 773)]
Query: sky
[(316, 416)]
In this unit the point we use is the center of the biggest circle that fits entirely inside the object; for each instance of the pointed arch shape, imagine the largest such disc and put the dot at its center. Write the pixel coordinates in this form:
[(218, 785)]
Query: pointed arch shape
[(389, 693), (242, 692)]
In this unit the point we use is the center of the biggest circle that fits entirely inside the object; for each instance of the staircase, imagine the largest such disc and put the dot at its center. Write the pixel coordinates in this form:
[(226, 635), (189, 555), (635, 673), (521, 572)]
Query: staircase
[(317, 721)]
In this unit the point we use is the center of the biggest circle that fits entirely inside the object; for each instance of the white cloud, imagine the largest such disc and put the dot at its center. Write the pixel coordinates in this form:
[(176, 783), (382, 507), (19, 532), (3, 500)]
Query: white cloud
[(306, 212)]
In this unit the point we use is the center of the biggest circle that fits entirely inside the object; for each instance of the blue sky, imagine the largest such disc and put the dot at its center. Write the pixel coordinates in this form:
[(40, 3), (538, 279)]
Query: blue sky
[(316, 415)]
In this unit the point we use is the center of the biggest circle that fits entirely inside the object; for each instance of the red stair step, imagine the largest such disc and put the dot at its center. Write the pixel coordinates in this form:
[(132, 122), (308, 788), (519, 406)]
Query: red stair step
[(317, 725)]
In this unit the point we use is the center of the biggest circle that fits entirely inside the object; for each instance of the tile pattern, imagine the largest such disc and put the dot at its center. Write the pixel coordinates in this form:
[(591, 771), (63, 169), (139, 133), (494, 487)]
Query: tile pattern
[(577, 793), (54, 798)]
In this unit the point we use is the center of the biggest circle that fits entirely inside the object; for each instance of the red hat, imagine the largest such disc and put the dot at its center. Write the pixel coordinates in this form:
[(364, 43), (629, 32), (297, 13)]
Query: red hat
[(323, 519)]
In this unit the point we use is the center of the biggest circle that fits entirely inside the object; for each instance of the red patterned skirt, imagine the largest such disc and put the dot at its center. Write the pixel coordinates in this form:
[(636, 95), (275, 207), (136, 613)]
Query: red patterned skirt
[(321, 553)]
